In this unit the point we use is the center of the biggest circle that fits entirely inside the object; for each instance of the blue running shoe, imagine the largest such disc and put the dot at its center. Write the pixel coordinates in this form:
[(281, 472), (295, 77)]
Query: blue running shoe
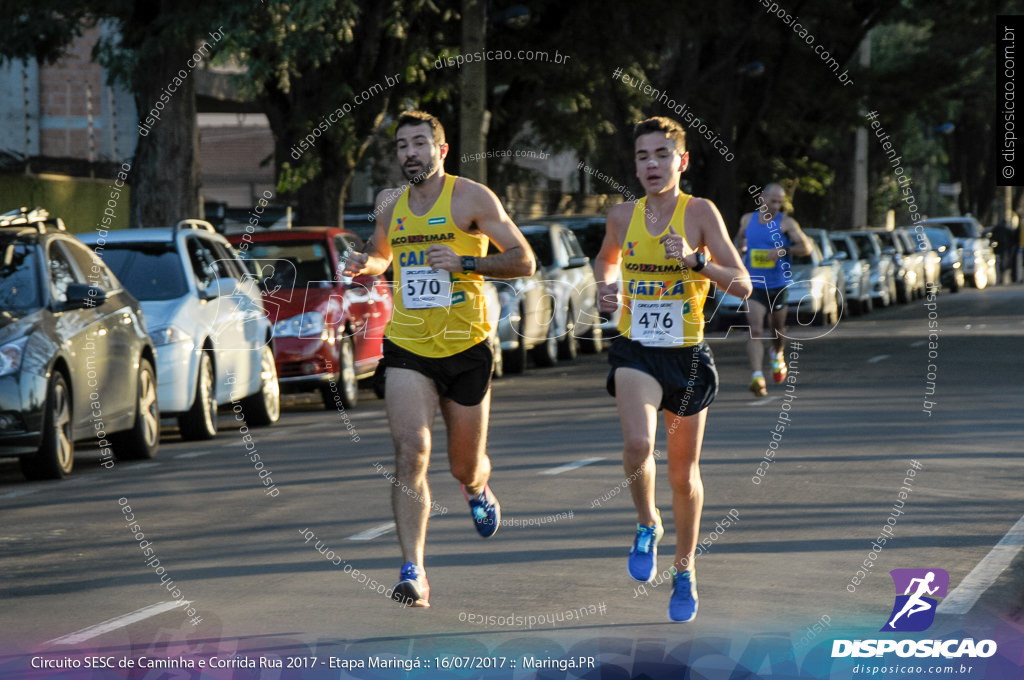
[(486, 511), (643, 557), (682, 607), (412, 589)]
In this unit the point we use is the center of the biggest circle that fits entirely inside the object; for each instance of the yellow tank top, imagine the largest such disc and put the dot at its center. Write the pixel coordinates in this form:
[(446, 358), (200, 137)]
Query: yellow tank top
[(662, 302), (437, 313)]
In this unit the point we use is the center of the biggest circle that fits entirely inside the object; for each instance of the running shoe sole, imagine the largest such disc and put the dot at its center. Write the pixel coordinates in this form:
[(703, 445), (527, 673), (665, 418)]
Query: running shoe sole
[(408, 594)]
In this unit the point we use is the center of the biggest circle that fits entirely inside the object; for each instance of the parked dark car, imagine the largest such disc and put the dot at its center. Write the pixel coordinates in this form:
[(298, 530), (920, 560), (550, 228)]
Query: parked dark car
[(76, 361), (944, 243), (327, 328)]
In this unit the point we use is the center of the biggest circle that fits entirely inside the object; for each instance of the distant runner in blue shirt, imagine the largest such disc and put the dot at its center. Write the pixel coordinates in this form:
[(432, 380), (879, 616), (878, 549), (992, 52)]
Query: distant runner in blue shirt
[(768, 239)]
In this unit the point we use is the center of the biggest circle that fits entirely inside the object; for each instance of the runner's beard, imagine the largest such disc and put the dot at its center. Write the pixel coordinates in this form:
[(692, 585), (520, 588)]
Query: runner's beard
[(422, 172)]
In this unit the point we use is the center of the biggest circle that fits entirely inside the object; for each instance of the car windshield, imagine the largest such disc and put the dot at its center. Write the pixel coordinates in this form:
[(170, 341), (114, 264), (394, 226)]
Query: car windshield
[(19, 280), (291, 264), (938, 236), (961, 229), (864, 245), (590, 236), (540, 241), (150, 271), (841, 245)]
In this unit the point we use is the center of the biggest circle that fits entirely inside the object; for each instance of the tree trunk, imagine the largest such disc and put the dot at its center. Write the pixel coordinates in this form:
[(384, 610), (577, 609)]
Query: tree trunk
[(165, 169)]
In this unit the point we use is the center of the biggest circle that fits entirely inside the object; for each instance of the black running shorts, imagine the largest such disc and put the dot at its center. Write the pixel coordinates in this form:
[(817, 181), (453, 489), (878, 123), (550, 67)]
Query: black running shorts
[(771, 298), (687, 375), (464, 377)]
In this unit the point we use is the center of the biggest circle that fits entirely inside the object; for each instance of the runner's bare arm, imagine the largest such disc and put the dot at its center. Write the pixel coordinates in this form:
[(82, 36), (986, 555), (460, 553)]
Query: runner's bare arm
[(475, 204), (725, 267), (376, 256), (606, 264), (741, 234), (799, 243)]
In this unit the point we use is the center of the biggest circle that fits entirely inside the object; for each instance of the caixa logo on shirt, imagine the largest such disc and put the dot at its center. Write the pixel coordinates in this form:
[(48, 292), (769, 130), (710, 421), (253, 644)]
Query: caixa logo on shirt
[(913, 611)]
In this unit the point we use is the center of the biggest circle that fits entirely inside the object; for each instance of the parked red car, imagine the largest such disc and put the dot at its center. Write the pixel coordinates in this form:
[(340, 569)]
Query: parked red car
[(327, 328)]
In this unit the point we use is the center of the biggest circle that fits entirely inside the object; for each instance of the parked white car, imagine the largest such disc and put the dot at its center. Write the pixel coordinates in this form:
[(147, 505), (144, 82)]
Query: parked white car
[(205, 315)]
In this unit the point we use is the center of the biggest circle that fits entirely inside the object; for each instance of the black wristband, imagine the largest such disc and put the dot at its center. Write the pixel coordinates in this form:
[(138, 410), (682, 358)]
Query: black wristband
[(701, 261)]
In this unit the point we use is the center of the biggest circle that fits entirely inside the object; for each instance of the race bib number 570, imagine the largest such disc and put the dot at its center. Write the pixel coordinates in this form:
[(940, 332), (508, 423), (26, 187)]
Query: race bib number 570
[(425, 287)]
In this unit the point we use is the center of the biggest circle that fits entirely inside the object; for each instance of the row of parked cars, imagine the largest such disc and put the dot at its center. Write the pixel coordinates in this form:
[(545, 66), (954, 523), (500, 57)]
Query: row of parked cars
[(104, 334), (850, 272)]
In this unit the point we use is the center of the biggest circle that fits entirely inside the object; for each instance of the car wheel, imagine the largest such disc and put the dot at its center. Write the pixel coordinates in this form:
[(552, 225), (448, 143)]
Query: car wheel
[(514, 360), (345, 386), (56, 455), (264, 407), (867, 305), (545, 355), (903, 293), (957, 284), (142, 441), (569, 344), (200, 422)]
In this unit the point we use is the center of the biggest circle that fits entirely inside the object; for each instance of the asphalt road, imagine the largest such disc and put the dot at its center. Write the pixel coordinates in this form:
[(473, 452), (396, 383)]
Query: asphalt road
[(857, 420)]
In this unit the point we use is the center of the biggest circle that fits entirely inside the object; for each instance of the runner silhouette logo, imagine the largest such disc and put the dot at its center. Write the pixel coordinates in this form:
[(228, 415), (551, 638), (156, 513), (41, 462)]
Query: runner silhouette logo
[(916, 593)]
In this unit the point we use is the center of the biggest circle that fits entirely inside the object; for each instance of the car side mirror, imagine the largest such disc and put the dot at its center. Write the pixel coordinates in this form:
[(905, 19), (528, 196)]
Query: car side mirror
[(219, 288), (83, 295), (577, 261)]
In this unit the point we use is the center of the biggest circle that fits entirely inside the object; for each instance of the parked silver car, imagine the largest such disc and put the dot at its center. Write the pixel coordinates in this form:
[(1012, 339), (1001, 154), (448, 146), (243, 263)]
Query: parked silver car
[(589, 231), (857, 271), (570, 280), (205, 314), (883, 274), (908, 265), (931, 262), (524, 325), (828, 254)]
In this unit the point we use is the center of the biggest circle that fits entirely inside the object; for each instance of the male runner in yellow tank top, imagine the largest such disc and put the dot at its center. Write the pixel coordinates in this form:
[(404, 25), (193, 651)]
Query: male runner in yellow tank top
[(670, 247), (435, 351)]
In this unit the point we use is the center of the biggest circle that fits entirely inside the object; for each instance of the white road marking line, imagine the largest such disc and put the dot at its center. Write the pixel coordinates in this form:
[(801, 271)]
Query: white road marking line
[(880, 357), (917, 344), (117, 622), (985, 572), (194, 454), (22, 492), (570, 466), (375, 532), (142, 466), (762, 401)]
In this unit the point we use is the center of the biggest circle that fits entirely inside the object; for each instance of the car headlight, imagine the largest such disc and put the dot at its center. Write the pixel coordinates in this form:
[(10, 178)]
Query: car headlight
[(305, 325), (10, 356), (165, 336)]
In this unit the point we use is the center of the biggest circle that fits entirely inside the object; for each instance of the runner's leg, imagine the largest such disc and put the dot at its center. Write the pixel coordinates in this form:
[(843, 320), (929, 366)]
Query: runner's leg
[(684, 447), (412, 401), (755, 344), (637, 396), (467, 442)]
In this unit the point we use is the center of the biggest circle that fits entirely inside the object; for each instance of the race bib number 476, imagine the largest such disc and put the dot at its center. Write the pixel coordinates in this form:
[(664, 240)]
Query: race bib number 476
[(425, 287), (658, 323)]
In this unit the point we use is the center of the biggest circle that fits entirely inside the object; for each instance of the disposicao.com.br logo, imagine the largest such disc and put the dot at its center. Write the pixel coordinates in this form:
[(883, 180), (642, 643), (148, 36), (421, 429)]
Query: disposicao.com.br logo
[(913, 611)]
